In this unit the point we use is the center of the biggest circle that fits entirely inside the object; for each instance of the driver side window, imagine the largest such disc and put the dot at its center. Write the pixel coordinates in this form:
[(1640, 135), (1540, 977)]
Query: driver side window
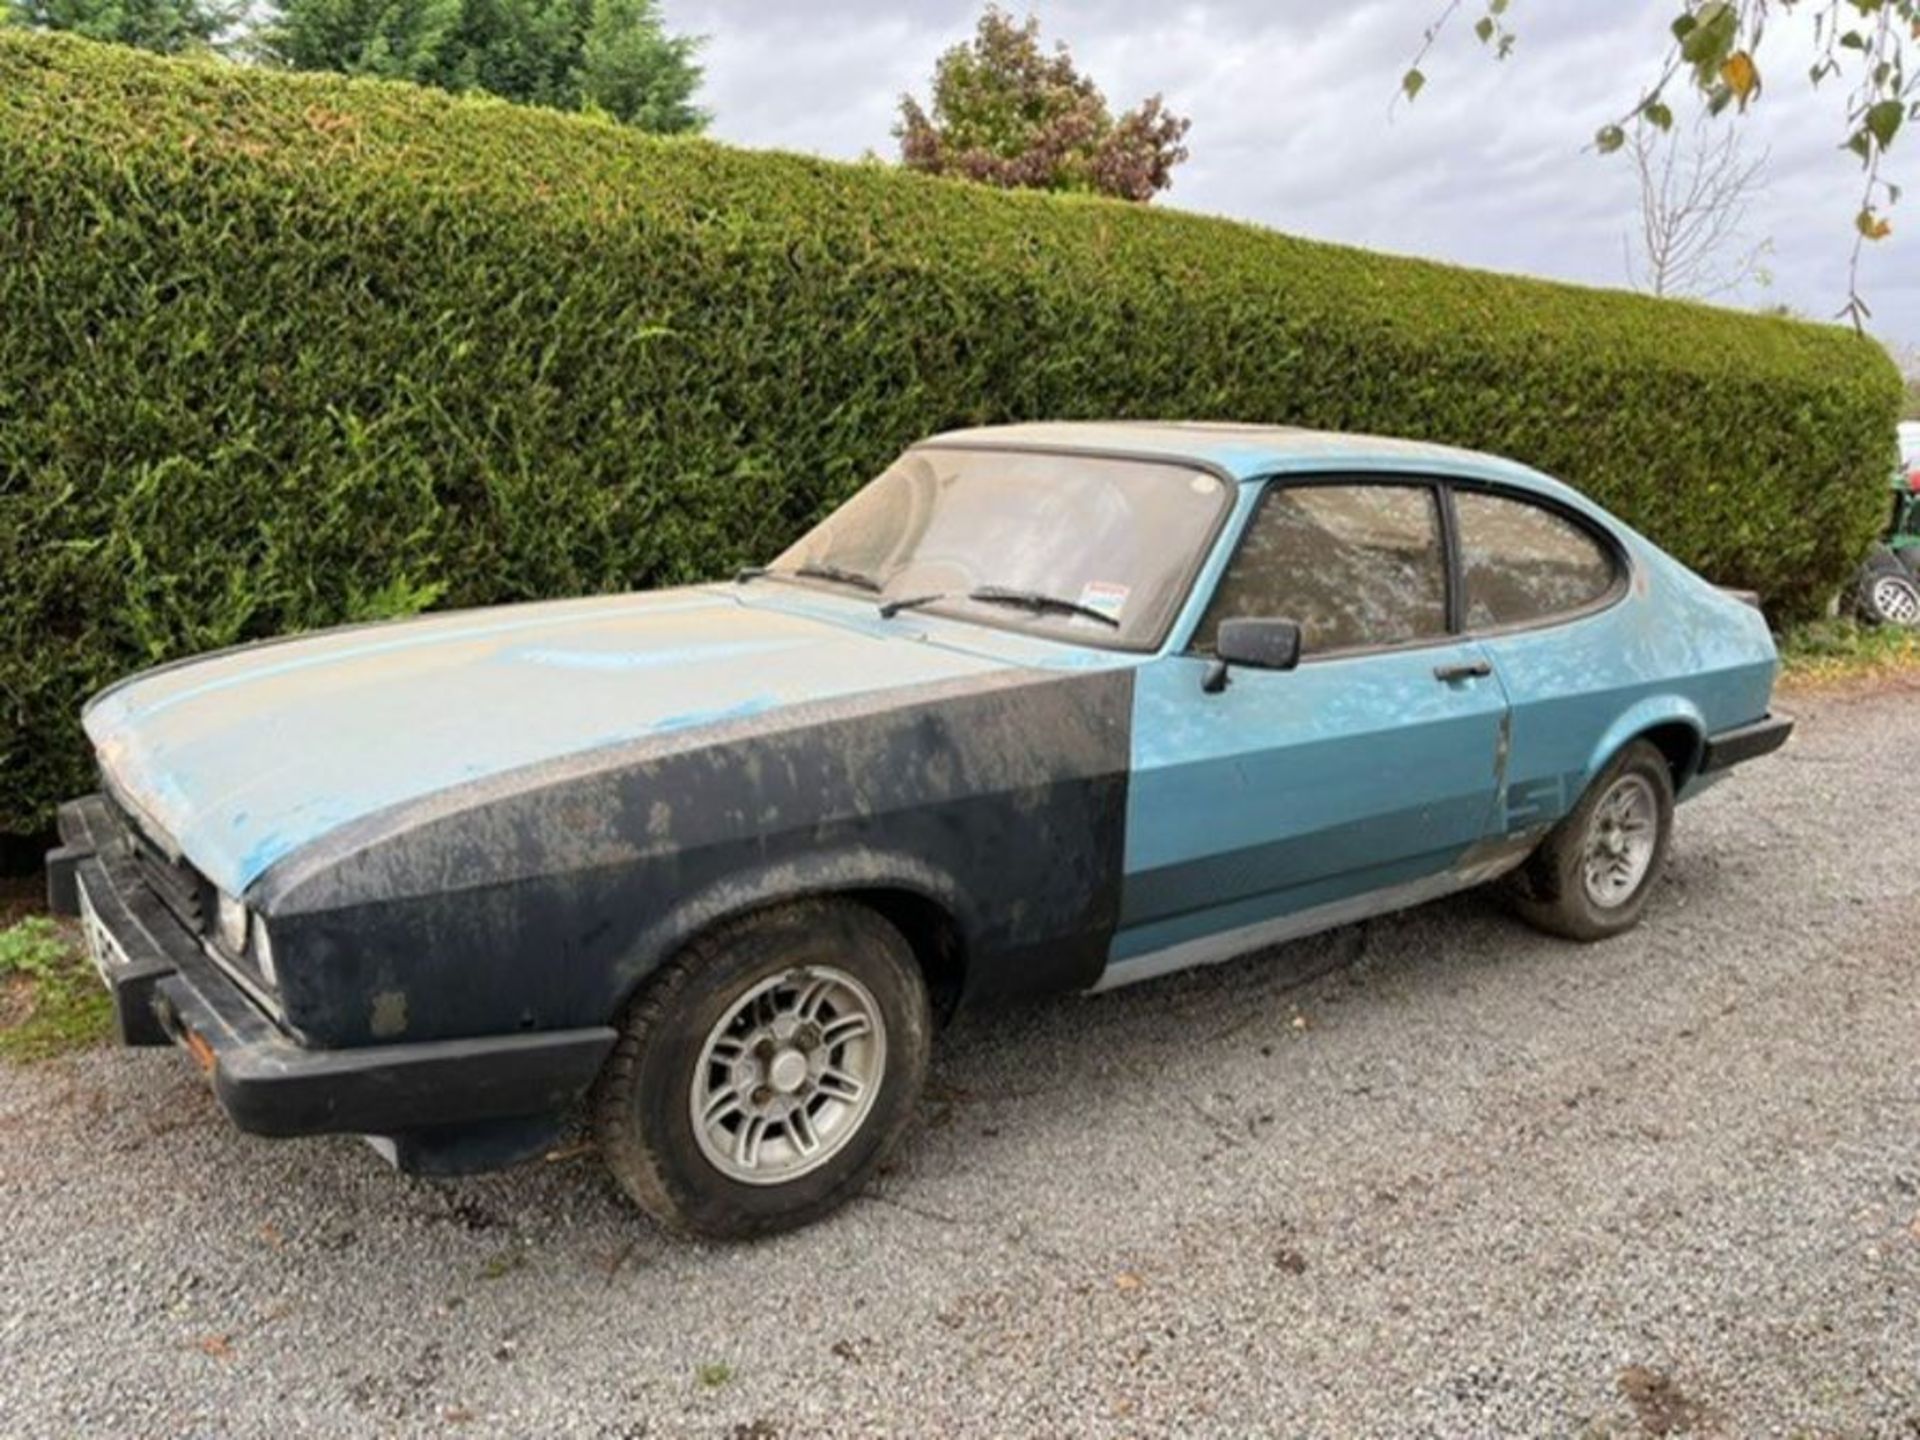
[(1355, 566)]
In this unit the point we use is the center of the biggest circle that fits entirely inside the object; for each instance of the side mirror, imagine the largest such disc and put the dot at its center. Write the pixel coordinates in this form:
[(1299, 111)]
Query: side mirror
[(1257, 644)]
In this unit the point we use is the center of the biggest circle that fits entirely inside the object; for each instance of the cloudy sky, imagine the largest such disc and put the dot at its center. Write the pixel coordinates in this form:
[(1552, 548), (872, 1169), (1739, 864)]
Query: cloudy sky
[(1292, 125)]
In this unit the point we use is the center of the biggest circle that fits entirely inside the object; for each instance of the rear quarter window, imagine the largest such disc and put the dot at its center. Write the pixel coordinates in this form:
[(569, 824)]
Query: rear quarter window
[(1523, 564)]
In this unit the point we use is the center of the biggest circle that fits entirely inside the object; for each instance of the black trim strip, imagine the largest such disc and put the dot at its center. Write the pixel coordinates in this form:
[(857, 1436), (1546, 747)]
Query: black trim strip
[(1746, 742), (1456, 568)]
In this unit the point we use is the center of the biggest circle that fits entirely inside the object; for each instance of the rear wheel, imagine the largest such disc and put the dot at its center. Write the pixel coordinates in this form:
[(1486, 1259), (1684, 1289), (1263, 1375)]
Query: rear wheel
[(1890, 597), (1591, 876), (761, 1075)]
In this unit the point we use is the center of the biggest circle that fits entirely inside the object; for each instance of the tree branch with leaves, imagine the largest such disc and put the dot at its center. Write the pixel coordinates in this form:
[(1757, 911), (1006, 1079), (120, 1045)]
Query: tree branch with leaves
[(1715, 50)]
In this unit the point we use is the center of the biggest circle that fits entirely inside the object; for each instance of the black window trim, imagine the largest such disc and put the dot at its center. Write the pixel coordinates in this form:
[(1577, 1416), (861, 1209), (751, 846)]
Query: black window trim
[(1609, 544), (1442, 489)]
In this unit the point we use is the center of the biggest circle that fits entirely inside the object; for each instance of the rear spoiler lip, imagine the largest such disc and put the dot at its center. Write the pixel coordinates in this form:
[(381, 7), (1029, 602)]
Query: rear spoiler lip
[(1745, 597)]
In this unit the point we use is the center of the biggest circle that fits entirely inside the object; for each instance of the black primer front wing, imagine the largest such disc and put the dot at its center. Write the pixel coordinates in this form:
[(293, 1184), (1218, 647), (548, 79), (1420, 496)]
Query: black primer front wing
[(538, 900)]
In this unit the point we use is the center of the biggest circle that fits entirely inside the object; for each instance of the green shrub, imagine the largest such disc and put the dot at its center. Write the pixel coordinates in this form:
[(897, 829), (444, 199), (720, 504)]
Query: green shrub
[(282, 349), (50, 999)]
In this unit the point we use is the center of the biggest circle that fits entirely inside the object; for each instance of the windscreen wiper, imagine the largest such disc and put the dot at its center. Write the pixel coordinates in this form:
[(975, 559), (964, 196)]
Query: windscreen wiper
[(835, 573), (891, 608), (1038, 602), (812, 572)]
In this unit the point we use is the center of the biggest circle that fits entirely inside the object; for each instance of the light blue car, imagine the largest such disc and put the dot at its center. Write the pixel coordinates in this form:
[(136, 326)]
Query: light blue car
[(1045, 707)]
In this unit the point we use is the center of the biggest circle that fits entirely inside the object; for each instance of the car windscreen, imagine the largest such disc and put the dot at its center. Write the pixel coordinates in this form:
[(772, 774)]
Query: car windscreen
[(1093, 549)]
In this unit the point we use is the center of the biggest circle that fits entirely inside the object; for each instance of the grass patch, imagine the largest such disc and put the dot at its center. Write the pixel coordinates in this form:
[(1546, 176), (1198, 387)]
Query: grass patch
[(1830, 652), (50, 999)]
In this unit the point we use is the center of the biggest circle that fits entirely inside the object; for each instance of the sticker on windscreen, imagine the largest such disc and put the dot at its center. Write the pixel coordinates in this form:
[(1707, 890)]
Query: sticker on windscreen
[(1105, 597)]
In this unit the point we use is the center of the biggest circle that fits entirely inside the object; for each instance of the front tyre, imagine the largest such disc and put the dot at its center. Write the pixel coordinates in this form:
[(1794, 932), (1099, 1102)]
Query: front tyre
[(762, 1074), (1591, 876)]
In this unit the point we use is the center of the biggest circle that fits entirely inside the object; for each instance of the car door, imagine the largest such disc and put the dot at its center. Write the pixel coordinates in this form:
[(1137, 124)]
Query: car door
[(1538, 586), (1295, 799)]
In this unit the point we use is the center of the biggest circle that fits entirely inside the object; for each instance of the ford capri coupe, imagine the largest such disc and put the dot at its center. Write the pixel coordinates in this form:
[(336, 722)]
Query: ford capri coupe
[(1048, 707)]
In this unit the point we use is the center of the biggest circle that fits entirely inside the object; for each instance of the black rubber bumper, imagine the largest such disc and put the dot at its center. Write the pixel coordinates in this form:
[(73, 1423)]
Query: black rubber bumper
[(167, 989), (1746, 742)]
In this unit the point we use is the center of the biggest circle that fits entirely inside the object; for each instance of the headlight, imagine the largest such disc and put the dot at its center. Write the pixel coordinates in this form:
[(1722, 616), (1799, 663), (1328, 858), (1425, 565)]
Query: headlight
[(230, 925), (263, 953)]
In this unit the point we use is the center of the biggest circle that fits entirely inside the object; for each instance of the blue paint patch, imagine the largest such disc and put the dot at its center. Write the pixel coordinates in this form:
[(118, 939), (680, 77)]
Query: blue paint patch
[(1292, 790), (754, 705)]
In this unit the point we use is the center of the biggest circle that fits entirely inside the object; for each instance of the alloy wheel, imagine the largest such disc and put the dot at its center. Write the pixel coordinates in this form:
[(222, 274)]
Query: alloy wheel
[(1621, 839), (788, 1075)]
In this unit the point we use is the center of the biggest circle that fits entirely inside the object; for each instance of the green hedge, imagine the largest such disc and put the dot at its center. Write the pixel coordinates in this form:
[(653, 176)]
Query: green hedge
[(278, 351)]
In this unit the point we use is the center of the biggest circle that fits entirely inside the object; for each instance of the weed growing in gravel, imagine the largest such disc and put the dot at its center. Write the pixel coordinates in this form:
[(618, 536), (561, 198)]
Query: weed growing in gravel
[(50, 999), (712, 1377), (503, 1263)]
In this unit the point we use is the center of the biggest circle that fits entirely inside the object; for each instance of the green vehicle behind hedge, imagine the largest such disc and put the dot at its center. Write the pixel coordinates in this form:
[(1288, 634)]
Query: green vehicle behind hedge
[(1890, 579)]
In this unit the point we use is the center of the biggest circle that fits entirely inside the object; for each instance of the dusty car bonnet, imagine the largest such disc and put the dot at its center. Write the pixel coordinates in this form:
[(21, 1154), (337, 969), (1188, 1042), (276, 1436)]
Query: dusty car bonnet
[(242, 757)]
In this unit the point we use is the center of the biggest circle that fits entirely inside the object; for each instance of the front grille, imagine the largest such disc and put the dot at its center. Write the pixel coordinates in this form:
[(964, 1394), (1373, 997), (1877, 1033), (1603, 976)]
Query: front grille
[(179, 886), (188, 896)]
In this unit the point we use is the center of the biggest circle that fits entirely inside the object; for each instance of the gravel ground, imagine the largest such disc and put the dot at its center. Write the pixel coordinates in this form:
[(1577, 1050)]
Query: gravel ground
[(1432, 1175)]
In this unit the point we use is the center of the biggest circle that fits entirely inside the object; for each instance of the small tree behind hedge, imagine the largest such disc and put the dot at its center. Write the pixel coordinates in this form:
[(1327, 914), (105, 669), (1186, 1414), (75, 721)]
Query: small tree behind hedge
[(611, 55), (1007, 113), (166, 27)]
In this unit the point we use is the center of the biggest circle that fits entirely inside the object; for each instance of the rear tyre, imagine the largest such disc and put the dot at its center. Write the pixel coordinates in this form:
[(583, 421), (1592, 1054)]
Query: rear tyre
[(1591, 876), (762, 1074)]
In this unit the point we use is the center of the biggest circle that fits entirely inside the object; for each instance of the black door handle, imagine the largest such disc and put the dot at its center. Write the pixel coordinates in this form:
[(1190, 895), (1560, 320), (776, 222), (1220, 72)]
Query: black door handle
[(1471, 670)]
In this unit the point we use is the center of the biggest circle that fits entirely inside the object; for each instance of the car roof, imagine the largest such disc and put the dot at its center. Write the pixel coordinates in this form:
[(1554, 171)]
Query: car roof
[(1246, 452)]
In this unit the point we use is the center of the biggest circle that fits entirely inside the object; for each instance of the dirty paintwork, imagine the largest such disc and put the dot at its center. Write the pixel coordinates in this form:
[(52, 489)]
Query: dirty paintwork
[(490, 827), (999, 799), (246, 757)]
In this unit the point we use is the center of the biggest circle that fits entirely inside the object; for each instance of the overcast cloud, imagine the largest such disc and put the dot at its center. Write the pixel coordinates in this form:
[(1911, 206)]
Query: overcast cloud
[(1292, 126)]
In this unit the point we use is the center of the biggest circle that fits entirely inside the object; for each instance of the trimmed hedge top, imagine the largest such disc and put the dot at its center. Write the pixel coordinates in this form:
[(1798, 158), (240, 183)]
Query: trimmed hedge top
[(284, 350)]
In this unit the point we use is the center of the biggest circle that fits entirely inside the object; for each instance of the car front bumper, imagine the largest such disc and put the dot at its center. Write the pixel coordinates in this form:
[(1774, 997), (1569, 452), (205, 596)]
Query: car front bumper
[(167, 989)]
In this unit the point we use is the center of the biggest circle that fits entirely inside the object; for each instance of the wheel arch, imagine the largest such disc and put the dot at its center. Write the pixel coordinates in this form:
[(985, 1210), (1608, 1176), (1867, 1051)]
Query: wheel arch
[(1672, 723), (926, 906)]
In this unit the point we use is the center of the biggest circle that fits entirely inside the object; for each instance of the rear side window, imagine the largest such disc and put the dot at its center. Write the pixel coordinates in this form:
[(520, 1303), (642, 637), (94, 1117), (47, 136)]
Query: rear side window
[(1355, 566), (1523, 564)]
